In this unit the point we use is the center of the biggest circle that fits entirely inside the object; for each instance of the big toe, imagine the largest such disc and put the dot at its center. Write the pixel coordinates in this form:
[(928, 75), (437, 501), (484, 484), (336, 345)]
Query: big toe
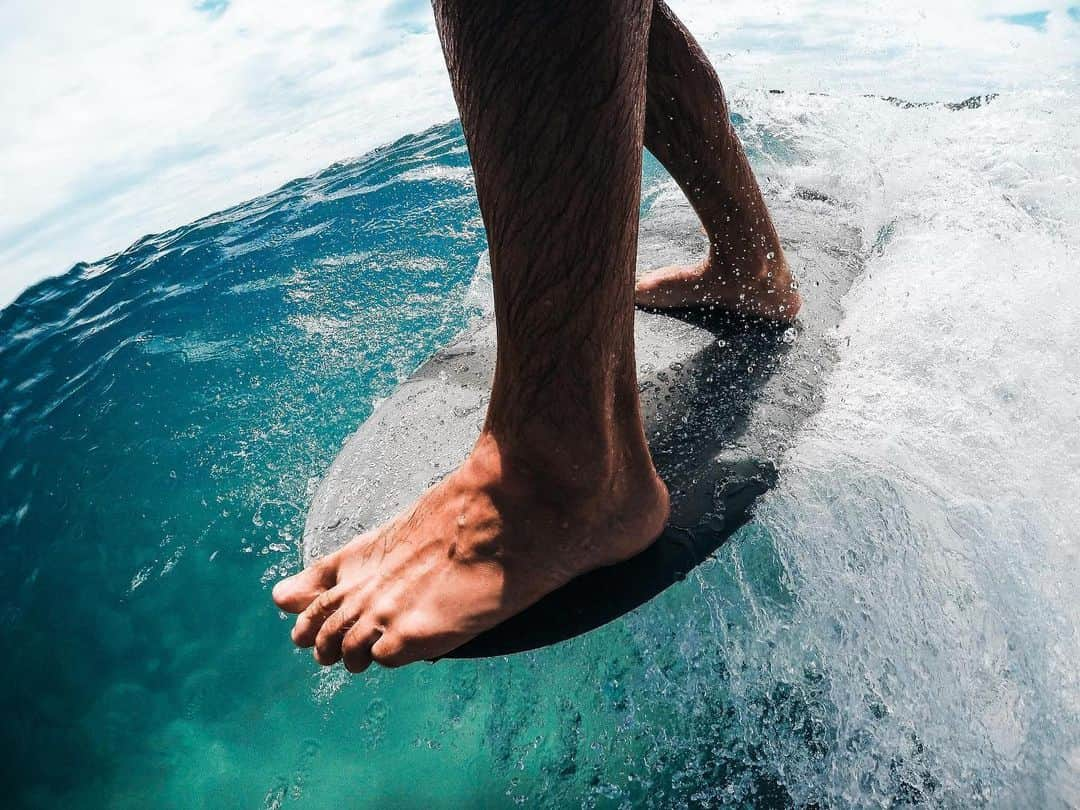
[(294, 594), (668, 286), (645, 290)]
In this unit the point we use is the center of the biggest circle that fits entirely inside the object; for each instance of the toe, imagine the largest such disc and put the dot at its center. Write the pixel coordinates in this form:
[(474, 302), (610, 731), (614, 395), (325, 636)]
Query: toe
[(356, 647), (296, 593), (330, 635), (643, 287), (650, 288), (391, 650), (311, 620)]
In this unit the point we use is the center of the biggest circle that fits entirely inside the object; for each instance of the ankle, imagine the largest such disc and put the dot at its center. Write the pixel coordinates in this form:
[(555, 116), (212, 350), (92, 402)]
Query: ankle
[(750, 263), (575, 473)]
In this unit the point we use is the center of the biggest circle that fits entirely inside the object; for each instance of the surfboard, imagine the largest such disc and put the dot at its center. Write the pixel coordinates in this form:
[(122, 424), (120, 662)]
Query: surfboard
[(723, 397)]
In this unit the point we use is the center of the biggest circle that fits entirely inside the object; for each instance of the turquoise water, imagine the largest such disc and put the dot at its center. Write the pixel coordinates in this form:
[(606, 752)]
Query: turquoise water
[(166, 413), (895, 629)]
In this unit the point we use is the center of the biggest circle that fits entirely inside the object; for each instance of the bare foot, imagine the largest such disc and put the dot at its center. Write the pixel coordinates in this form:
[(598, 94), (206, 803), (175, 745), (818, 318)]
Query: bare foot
[(480, 546), (766, 291)]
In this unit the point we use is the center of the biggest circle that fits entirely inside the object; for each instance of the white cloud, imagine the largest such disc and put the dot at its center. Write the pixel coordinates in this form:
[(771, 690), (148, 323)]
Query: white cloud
[(123, 118)]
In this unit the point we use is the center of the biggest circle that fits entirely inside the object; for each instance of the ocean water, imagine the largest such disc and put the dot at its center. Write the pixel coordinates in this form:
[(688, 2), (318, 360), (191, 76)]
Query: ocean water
[(898, 627)]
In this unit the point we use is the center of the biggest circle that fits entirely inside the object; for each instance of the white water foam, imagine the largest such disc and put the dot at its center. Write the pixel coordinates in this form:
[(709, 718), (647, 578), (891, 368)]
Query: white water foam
[(927, 518)]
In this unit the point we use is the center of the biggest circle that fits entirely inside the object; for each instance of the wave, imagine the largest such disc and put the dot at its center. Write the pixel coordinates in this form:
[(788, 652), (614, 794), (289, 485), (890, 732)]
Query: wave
[(898, 626)]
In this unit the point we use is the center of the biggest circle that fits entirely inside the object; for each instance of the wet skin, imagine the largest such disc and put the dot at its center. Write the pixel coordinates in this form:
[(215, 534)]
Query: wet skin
[(560, 480)]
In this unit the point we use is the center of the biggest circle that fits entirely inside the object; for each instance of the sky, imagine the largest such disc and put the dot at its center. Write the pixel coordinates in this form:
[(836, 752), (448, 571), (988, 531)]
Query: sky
[(122, 118)]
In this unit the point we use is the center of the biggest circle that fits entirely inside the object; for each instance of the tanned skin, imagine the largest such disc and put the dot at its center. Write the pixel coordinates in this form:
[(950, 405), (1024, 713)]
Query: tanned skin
[(688, 128), (552, 97)]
